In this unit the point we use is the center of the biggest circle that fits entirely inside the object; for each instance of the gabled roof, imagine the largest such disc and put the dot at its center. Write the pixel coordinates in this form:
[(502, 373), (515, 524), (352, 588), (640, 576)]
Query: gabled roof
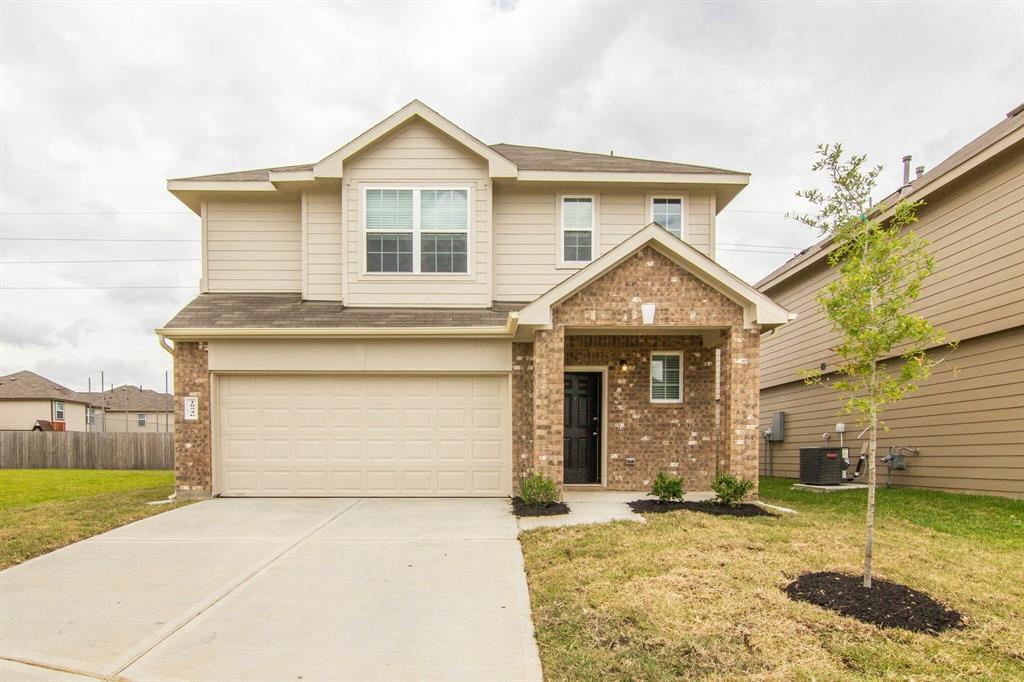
[(758, 308), (993, 141), (26, 385), (504, 161), (331, 166), (138, 400)]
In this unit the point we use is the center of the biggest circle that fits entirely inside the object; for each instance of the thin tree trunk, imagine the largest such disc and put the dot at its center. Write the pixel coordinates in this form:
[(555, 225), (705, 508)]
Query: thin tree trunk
[(869, 544)]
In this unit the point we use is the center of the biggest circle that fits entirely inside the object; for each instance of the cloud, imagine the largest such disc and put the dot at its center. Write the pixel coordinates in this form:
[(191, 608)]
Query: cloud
[(104, 101)]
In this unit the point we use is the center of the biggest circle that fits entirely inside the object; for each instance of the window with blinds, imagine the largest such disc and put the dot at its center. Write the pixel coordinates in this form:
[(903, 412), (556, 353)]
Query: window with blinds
[(417, 230), (666, 378), (577, 229)]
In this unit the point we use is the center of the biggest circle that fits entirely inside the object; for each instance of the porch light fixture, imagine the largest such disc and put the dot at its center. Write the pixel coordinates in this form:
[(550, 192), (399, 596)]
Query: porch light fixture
[(647, 309)]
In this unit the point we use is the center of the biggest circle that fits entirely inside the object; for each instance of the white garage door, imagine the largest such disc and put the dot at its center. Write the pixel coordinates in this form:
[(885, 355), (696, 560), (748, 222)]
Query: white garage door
[(374, 435)]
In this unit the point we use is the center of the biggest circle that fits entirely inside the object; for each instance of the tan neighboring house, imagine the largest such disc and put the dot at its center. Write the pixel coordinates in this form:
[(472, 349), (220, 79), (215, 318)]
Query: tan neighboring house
[(27, 398), (968, 419), (130, 409), (422, 314)]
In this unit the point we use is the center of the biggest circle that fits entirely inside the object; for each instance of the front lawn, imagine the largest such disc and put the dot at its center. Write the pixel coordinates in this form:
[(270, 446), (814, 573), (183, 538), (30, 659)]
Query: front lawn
[(44, 509), (691, 595)]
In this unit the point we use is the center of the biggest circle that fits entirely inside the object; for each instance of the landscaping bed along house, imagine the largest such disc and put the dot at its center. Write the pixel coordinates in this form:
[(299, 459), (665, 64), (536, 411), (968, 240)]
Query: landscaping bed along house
[(44, 509), (699, 595)]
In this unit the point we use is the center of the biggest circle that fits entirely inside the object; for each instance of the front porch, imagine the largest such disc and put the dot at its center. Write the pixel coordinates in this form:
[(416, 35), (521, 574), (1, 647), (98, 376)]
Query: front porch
[(606, 398)]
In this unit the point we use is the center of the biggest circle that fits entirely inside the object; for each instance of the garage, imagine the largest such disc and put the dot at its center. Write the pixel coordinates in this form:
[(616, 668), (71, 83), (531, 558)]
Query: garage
[(388, 435)]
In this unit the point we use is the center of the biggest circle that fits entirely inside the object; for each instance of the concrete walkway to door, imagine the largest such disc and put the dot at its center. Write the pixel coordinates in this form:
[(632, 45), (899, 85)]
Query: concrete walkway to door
[(288, 589)]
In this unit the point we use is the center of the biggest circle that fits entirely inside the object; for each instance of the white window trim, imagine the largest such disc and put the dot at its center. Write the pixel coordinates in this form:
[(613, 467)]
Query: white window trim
[(684, 199), (416, 247), (650, 378), (61, 410), (140, 418), (560, 261)]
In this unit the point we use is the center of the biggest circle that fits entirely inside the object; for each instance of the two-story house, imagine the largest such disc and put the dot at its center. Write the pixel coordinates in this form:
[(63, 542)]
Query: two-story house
[(966, 423), (421, 314)]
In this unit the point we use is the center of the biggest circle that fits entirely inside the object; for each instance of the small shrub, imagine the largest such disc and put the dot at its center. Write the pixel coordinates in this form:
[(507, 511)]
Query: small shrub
[(538, 489), (730, 490), (667, 488)]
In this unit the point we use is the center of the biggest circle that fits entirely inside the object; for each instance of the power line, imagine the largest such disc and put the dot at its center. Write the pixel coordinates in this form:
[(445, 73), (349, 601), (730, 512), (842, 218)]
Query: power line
[(81, 288), (90, 239), (119, 260), (97, 213)]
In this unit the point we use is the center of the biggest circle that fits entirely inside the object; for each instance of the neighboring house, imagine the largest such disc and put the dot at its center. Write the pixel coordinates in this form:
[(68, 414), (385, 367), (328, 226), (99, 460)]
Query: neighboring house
[(130, 409), (27, 398), (422, 314), (968, 419)]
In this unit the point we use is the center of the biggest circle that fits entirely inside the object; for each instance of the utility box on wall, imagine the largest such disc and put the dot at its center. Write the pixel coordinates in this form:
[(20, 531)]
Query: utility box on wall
[(778, 433)]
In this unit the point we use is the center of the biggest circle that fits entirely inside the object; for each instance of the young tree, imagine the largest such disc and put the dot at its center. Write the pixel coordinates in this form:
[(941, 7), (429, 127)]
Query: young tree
[(881, 267)]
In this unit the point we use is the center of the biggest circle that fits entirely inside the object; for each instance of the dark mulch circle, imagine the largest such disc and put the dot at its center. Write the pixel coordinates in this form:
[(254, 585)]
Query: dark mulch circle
[(655, 507), (886, 604), (520, 508)]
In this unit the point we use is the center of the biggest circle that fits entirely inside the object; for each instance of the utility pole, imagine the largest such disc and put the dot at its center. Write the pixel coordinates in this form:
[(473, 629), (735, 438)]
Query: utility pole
[(126, 408), (88, 424)]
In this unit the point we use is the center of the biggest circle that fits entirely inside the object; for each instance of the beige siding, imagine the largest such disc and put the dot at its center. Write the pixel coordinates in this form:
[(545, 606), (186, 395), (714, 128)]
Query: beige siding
[(156, 422), (21, 415), (380, 355), (417, 155), (322, 235), (527, 238), (976, 231), (253, 244), (968, 421)]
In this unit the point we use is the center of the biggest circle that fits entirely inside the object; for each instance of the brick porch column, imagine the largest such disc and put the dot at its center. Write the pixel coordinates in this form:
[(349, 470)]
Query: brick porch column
[(193, 454), (548, 401), (740, 404)]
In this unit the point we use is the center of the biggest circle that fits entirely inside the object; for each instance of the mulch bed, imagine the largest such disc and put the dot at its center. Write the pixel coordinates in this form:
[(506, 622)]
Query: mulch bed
[(655, 507), (520, 508), (886, 604)]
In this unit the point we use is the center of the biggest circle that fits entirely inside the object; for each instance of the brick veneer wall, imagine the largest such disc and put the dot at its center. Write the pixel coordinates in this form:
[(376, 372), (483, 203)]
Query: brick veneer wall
[(682, 300), (680, 438), (193, 454), (740, 406), (522, 411)]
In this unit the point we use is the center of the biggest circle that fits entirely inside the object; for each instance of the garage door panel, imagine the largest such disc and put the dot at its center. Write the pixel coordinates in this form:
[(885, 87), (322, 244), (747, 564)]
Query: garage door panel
[(388, 435)]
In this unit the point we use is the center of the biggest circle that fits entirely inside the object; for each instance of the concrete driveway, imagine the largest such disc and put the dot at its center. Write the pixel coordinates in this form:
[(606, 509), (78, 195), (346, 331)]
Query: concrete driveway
[(291, 589)]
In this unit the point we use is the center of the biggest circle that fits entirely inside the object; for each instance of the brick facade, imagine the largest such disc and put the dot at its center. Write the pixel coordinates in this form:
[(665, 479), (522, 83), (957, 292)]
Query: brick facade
[(193, 454), (683, 438), (678, 438)]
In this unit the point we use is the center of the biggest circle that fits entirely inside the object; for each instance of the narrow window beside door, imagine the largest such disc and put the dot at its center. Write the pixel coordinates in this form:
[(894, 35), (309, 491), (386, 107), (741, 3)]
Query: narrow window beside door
[(666, 378)]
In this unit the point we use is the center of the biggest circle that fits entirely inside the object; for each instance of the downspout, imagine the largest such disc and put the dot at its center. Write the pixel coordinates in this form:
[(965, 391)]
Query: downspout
[(164, 344)]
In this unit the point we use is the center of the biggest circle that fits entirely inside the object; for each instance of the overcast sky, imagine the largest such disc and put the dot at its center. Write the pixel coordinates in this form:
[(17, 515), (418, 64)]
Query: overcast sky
[(101, 103)]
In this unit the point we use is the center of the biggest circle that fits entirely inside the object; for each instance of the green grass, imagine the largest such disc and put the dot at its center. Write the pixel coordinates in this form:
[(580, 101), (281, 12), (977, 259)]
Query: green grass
[(691, 596), (995, 520), (44, 509)]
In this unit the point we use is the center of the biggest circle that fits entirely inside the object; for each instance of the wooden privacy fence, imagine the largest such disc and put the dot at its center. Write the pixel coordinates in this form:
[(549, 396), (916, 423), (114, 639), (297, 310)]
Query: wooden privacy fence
[(81, 450)]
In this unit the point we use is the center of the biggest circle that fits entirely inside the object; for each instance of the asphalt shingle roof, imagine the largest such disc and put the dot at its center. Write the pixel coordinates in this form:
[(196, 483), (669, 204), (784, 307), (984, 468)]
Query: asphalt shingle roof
[(139, 400), (526, 158), (26, 385), (253, 311)]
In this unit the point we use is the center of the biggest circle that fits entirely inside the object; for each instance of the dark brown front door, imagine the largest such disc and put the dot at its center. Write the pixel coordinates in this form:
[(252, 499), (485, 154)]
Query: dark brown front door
[(582, 450)]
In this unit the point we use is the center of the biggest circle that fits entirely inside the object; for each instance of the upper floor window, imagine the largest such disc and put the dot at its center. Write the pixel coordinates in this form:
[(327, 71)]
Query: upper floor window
[(668, 213), (577, 229), (90, 416), (140, 418), (417, 230), (58, 411)]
